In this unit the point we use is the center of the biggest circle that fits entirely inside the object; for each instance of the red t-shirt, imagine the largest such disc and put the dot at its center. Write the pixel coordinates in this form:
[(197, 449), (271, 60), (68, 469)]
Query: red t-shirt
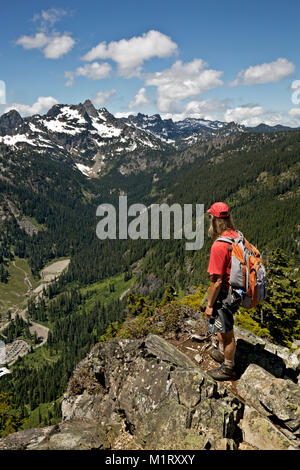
[(220, 258)]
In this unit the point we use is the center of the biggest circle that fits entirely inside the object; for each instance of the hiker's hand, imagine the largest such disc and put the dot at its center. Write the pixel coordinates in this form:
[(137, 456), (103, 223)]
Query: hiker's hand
[(209, 311)]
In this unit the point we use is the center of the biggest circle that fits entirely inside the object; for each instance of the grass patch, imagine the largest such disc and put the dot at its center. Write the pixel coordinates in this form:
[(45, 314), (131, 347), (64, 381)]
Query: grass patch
[(45, 414), (13, 294), (34, 222), (109, 289), (38, 358)]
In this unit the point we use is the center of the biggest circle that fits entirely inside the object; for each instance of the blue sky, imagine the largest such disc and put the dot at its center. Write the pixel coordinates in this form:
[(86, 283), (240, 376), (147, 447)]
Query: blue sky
[(221, 60)]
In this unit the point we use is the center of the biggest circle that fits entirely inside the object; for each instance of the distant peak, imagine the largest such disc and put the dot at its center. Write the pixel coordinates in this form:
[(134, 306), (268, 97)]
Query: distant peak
[(90, 108), (88, 103), (11, 119), (13, 112), (54, 110)]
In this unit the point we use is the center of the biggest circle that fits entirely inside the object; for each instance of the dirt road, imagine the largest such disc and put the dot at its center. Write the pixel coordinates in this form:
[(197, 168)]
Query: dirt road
[(26, 278), (48, 275)]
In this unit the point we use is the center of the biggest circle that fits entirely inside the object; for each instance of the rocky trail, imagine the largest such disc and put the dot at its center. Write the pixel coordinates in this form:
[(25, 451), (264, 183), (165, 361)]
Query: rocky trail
[(198, 352)]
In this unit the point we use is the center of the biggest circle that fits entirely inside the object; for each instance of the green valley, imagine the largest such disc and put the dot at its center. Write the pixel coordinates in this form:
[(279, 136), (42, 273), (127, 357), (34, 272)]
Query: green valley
[(256, 174)]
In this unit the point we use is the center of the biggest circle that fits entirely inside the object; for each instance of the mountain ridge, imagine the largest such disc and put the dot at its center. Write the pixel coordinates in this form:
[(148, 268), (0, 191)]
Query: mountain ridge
[(94, 140), (256, 174), (79, 134)]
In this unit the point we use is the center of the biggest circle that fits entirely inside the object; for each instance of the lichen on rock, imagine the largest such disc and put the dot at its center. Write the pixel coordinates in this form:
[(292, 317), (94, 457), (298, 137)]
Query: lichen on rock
[(147, 394)]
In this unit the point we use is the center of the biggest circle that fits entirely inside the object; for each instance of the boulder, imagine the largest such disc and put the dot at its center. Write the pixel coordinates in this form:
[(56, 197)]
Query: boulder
[(275, 398), (261, 433), (276, 359), (24, 439), (72, 435)]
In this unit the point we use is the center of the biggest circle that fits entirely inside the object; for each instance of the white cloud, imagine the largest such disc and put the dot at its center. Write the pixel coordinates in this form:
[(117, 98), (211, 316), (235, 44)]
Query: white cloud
[(273, 119), (130, 54), (51, 43), (247, 115), (182, 81), (294, 115), (103, 96), (123, 114), (294, 112), (264, 73), (58, 46), (53, 46), (50, 16), (41, 106), (93, 71), (210, 109), (38, 41), (206, 109), (140, 99), (2, 92), (253, 115)]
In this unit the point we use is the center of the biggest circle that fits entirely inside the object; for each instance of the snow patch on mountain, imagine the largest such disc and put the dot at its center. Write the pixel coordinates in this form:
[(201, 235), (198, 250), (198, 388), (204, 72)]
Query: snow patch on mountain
[(78, 133), (34, 128), (85, 170), (59, 126), (15, 139), (105, 130), (72, 114)]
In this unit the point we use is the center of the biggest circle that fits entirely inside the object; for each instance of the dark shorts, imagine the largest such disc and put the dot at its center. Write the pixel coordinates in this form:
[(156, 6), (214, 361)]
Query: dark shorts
[(223, 314)]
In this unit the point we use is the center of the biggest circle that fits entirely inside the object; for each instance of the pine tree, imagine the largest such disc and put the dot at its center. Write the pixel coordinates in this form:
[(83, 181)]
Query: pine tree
[(10, 418), (279, 316)]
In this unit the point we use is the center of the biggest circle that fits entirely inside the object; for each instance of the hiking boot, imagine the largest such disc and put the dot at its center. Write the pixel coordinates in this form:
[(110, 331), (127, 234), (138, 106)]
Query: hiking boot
[(223, 373), (216, 355)]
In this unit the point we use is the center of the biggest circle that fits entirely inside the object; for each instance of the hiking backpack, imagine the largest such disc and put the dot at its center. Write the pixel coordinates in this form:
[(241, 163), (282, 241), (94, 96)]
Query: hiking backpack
[(248, 277)]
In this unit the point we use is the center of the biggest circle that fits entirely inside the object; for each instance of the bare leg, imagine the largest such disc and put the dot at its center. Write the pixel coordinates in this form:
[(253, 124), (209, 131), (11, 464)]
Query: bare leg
[(228, 341), (221, 344), (227, 370)]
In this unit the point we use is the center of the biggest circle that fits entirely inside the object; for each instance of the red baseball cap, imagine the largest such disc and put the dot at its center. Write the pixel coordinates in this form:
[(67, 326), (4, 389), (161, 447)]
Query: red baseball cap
[(219, 209)]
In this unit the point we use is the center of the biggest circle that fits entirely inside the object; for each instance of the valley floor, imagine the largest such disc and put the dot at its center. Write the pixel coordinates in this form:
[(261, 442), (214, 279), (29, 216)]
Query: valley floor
[(17, 301)]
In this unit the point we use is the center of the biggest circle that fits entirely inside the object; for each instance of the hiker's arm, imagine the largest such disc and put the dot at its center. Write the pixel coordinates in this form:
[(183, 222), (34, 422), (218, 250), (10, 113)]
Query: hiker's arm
[(214, 289)]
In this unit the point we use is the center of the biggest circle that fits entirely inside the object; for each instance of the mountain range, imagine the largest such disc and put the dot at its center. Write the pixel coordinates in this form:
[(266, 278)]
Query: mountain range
[(94, 141), (56, 169)]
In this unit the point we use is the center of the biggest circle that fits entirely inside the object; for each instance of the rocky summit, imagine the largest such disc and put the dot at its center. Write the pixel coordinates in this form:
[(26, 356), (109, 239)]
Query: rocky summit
[(80, 134), (154, 393)]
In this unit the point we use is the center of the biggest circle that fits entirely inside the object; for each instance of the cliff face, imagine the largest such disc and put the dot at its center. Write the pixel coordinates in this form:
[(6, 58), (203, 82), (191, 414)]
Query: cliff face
[(148, 394)]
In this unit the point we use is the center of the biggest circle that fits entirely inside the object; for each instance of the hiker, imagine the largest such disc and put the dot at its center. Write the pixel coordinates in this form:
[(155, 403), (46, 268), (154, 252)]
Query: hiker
[(221, 224)]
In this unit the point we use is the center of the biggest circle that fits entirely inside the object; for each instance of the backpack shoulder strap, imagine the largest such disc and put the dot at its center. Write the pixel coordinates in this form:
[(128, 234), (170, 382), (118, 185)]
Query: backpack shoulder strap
[(231, 239), (225, 239)]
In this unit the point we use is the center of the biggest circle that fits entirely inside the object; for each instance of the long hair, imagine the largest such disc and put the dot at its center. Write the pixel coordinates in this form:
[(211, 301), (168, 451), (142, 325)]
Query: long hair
[(218, 225)]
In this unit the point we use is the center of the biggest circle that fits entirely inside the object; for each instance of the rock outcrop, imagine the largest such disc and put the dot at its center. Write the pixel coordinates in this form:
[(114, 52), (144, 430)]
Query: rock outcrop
[(147, 394), (276, 399), (148, 389)]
